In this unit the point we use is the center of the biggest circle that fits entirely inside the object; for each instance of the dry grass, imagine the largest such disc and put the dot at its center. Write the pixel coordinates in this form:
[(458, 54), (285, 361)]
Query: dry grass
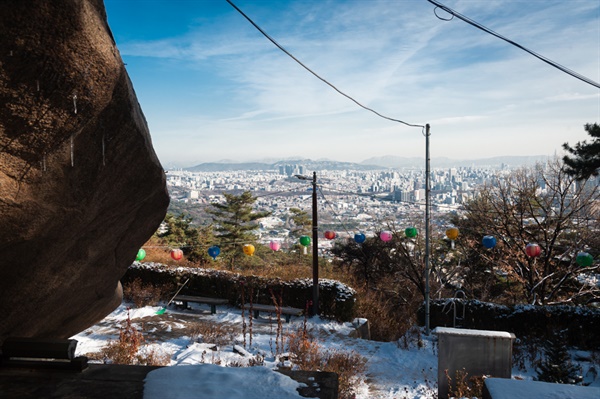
[(213, 333)]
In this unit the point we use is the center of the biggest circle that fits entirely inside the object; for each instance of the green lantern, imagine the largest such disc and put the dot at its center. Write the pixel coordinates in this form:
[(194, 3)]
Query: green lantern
[(305, 241), (584, 259), (411, 232), (140, 255)]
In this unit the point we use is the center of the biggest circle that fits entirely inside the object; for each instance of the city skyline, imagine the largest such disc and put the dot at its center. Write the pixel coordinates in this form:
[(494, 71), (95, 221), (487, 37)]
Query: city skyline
[(213, 88)]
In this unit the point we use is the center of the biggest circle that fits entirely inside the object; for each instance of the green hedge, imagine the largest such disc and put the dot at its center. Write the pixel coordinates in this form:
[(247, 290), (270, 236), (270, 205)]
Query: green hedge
[(336, 300), (582, 324)]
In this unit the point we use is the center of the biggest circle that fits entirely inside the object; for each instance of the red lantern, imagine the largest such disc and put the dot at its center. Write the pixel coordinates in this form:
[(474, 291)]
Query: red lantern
[(176, 254), (533, 250), (329, 234)]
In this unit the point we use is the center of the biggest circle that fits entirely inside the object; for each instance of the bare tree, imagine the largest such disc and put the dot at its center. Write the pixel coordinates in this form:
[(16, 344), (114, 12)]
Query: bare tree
[(542, 205)]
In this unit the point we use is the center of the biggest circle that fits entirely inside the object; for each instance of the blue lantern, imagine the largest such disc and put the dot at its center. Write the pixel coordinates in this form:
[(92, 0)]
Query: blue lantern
[(489, 242), (359, 238), (214, 251)]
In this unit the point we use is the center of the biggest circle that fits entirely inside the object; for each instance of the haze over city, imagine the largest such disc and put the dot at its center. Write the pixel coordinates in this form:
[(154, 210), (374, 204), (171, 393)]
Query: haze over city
[(212, 87)]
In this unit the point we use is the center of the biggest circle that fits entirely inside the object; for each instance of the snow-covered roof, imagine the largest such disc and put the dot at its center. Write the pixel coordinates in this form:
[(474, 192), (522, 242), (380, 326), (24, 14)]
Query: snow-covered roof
[(473, 333), (501, 388)]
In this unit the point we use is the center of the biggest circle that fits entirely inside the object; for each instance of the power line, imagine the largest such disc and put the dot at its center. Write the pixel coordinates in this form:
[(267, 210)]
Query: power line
[(280, 47), (491, 32)]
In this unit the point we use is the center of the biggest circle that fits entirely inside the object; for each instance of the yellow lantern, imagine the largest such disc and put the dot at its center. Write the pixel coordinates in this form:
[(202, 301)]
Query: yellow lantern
[(249, 249), (452, 233)]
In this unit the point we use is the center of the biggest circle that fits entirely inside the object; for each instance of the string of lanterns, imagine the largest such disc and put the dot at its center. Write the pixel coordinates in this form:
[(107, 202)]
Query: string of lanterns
[(532, 250)]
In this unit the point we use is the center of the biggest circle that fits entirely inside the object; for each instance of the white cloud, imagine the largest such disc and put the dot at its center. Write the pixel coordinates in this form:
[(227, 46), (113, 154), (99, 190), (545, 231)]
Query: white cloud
[(479, 93)]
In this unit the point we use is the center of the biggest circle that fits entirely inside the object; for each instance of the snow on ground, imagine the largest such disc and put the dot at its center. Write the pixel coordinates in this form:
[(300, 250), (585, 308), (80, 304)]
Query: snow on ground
[(393, 369), (218, 382)]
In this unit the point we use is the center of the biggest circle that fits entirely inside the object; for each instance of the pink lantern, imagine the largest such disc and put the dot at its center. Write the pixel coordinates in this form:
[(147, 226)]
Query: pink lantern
[(275, 245), (533, 250), (385, 236)]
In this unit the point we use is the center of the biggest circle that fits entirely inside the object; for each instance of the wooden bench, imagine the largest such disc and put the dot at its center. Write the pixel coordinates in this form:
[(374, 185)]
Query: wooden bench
[(41, 352), (288, 312), (213, 302)]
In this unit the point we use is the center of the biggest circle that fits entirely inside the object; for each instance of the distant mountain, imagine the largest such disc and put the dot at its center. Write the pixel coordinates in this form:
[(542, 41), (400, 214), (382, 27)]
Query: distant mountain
[(391, 161), (376, 163), (308, 164), (227, 167)]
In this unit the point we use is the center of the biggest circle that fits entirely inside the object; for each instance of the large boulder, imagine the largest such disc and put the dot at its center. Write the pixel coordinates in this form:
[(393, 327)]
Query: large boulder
[(81, 188)]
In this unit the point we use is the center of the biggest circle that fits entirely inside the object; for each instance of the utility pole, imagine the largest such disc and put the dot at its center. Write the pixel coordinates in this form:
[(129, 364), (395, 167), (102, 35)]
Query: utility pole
[(315, 243), (427, 224), (315, 239)]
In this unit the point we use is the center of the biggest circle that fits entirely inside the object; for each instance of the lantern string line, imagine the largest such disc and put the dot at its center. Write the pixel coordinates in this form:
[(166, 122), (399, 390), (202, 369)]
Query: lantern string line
[(280, 47), (374, 197), (491, 32)]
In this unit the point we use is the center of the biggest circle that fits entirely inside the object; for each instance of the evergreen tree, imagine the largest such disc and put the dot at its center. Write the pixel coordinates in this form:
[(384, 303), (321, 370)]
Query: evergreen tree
[(556, 365), (586, 160), (193, 241), (235, 221), (301, 222)]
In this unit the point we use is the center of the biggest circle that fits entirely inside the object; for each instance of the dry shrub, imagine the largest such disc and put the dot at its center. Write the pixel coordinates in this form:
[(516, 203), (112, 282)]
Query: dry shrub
[(304, 351), (464, 387), (349, 366), (141, 294), (388, 321), (128, 349), (412, 338), (152, 356), (307, 354), (212, 332)]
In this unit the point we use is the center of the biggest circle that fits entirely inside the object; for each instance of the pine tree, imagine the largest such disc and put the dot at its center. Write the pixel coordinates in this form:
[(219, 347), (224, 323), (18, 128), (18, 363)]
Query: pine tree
[(586, 160), (193, 241), (236, 222), (556, 365), (301, 222)]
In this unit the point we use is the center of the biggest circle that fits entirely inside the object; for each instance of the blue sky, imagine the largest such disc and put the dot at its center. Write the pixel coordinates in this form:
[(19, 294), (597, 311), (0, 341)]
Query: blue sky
[(213, 88)]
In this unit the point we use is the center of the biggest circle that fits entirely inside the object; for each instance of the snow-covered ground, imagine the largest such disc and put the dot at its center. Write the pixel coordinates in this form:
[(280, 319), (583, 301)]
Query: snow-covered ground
[(392, 370)]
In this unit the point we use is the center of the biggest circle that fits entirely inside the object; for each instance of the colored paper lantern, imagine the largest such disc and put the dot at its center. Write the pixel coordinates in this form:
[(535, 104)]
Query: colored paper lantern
[(176, 254), (360, 238), (140, 255), (385, 236), (452, 233), (411, 232), (305, 241), (584, 259), (533, 250), (489, 242), (214, 251), (275, 245), (249, 249), (329, 234)]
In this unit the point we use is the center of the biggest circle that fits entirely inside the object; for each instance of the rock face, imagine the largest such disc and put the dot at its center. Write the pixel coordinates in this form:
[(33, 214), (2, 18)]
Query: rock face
[(81, 188)]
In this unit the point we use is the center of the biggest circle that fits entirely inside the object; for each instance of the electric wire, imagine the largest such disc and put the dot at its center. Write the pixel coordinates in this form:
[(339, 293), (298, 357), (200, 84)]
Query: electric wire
[(499, 36), (280, 47)]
